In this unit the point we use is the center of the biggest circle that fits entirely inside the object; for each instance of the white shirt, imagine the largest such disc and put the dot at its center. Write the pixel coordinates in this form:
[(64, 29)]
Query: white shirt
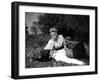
[(57, 43)]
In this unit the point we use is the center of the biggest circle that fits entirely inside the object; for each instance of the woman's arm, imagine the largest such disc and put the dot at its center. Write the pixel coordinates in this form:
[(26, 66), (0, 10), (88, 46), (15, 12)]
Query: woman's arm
[(49, 45)]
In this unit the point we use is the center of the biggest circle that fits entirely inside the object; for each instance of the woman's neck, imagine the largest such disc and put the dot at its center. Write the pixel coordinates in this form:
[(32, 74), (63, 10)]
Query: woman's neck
[(56, 39)]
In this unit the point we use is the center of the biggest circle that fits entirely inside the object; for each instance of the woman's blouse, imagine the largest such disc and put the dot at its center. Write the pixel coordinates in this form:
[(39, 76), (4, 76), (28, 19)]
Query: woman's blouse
[(57, 44)]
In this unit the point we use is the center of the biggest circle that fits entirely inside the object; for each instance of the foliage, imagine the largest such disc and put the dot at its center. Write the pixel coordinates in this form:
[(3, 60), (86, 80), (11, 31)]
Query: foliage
[(68, 25), (34, 43)]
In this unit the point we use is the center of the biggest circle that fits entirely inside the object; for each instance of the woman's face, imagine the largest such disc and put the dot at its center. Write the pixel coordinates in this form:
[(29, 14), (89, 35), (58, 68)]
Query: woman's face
[(54, 35)]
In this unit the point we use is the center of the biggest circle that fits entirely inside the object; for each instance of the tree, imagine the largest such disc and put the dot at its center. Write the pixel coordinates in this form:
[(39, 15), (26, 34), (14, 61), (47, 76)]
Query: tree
[(75, 26)]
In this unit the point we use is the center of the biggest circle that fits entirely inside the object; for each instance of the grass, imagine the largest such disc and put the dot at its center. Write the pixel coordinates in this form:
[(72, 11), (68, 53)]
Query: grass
[(33, 45)]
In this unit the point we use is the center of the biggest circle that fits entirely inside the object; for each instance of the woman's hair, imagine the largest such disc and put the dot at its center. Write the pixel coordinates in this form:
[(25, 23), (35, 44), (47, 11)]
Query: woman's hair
[(53, 29)]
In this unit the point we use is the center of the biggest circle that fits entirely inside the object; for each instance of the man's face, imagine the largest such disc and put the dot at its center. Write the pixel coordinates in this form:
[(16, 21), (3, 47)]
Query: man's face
[(54, 35)]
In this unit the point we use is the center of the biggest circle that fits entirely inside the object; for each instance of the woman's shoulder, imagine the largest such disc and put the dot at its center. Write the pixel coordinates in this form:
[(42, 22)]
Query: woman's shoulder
[(61, 36), (50, 41)]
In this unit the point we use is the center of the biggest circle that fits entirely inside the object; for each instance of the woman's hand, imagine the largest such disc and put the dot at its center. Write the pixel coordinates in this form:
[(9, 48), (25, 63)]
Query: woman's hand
[(51, 53)]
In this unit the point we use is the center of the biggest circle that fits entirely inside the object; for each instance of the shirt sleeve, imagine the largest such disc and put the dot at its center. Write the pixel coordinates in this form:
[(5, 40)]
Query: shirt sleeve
[(49, 45)]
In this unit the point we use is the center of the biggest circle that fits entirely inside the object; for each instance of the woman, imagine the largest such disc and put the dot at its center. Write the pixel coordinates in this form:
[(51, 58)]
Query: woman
[(58, 49)]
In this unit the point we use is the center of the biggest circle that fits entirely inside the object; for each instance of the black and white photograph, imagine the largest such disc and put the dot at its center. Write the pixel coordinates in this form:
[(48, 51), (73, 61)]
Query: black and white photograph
[(50, 40), (56, 40)]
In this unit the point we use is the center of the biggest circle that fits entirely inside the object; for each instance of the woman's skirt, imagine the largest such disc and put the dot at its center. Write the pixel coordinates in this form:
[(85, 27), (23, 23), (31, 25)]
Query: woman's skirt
[(62, 53)]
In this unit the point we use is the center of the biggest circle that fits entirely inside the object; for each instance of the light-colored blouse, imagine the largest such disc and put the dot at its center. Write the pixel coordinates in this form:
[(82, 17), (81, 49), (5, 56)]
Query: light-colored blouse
[(60, 41)]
